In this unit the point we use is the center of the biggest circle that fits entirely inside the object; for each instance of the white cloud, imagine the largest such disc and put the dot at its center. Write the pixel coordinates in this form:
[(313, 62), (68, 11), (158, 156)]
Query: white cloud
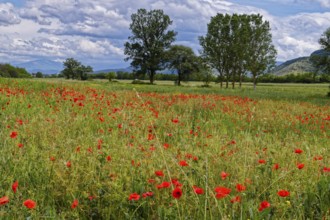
[(8, 15), (95, 31), (298, 35)]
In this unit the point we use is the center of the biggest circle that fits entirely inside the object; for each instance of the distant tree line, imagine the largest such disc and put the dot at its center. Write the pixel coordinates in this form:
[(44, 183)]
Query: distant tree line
[(295, 78)]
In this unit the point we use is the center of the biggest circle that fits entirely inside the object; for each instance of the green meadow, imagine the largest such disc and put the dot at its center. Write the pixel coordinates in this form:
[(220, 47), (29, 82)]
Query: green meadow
[(101, 150)]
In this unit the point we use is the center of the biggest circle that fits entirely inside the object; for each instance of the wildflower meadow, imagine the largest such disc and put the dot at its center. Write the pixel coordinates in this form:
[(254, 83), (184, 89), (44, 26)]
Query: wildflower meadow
[(100, 150)]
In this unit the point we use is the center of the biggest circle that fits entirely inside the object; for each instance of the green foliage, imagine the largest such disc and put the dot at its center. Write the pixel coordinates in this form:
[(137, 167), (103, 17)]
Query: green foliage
[(204, 73), (236, 44), (9, 71), (150, 39), (261, 52), (325, 40), (39, 75), (73, 69), (216, 44), (323, 62), (183, 60), (111, 76), (295, 78)]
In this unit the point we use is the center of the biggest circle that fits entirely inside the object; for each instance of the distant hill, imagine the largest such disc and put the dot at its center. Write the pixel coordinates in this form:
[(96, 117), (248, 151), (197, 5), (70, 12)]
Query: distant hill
[(295, 66), (298, 65), (42, 65), (127, 69)]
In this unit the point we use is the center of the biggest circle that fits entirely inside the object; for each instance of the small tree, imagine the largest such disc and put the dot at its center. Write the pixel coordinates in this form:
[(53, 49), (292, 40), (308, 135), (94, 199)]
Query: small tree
[(39, 75), (111, 76), (150, 39), (215, 44), (75, 70), (183, 60), (83, 72), (261, 53), (70, 68), (325, 44)]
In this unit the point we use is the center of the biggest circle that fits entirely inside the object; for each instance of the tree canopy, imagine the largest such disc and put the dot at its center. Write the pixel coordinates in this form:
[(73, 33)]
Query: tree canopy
[(325, 40), (150, 38), (75, 70), (183, 60), (237, 44), (7, 70)]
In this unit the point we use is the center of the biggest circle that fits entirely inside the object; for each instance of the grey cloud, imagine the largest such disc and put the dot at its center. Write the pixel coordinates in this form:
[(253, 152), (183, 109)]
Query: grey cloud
[(35, 15)]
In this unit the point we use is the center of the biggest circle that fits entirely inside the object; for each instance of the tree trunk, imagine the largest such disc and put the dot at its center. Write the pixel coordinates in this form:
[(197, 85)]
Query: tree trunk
[(221, 84), (233, 81), (179, 78), (152, 76), (254, 82), (240, 81)]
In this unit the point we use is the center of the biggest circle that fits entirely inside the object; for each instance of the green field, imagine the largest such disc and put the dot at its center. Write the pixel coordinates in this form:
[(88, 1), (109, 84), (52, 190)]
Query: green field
[(100, 150)]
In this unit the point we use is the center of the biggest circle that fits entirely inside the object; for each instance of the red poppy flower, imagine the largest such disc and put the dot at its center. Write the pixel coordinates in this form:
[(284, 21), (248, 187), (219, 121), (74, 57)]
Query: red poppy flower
[(166, 145), (276, 166), (68, 164), (176, 182), (159, 173), (147, 194), (326, 169), (108, 158), (300, 166), (183, 163), (224, 175), (235, 199), (283, 193), (13, 134), (151, 137), (20, 145), (298, 151), (151, 180), (175, 120), (134, 196), (177, 193), (164, 185), (222, 192), (14, 186), (30, 204), (263, 205), (240, 187), (318, 158), (262, 161), (4, 200), (74, 204), (198, 190)]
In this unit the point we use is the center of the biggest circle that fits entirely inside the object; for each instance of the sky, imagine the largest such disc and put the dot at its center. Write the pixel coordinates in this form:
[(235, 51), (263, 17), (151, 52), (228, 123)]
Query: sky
[(94, 32)]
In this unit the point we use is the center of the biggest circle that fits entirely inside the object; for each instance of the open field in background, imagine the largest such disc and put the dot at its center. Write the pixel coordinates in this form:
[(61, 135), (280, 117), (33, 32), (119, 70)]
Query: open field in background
[(313, 93), (100, 150)]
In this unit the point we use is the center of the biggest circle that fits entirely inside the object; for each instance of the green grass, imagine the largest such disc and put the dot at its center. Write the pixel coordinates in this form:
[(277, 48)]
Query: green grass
[(148, 128)]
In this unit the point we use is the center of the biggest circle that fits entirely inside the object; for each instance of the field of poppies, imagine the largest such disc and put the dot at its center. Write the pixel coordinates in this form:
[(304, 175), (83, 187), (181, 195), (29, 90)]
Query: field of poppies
[(96, 150)]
